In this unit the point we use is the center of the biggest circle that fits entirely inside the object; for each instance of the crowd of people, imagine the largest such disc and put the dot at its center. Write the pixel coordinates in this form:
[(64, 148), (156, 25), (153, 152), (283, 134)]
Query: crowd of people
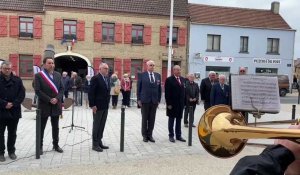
[(181, 95)]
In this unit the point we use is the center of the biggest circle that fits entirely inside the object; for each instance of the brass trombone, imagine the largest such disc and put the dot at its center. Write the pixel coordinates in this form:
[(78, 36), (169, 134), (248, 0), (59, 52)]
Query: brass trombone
[(223, 133)]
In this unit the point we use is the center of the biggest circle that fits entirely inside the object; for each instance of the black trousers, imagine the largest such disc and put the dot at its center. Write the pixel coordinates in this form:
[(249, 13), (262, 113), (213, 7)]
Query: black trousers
[(114, 100), (148, 118), (99, 120), (177, 126), (206, 105), (11, 125), (187, 111), (55, 129), (126, 98)]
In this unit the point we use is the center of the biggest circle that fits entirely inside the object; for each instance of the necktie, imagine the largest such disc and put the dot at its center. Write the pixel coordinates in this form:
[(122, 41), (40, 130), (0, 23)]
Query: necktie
[(105, 79), (222, 87), (178, 79), (151, 78)]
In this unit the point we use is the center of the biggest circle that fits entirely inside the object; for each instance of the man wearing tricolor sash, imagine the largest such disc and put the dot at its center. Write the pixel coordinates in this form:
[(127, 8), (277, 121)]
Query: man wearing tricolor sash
[(49, 89)]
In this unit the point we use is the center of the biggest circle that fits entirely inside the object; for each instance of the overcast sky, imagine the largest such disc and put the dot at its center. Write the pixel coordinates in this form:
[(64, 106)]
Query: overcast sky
[(289, 10)]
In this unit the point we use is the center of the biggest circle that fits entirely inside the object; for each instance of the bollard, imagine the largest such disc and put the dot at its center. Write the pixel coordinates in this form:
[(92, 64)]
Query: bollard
[(38, 134), (299, 97), (122, 129), (191, 121), (294, 112)]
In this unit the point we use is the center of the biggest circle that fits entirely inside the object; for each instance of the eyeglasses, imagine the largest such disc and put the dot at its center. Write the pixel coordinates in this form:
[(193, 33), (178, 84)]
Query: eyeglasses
[(242, 71), (151, 65)]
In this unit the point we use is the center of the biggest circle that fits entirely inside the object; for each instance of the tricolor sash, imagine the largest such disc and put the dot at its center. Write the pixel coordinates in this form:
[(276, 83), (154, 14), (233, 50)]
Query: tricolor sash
[(49, 81)]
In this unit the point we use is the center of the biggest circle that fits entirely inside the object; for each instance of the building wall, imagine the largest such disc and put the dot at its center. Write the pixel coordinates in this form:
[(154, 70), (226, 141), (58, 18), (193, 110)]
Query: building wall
[(230, 47), (88, 47)]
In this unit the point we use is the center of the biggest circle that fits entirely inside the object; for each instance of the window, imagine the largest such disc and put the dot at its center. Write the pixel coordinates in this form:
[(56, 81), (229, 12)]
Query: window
[(174, 36), (244, 44), (26, 66), (213, 43), (136, 67), (70, 28), (108, 32), (137, 34), (273, 46), (110, 63), (26, 27)]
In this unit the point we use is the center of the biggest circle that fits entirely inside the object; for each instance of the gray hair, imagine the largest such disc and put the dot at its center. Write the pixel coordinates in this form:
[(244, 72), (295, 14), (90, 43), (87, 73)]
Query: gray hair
[(102, 65), (222, 76), (211, 72), (8, 63), (176, 67), (150, 62)]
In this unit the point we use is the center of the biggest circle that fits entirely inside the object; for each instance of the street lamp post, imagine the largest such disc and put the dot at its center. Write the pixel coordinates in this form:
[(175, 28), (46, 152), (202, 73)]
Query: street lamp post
[(170, 39)]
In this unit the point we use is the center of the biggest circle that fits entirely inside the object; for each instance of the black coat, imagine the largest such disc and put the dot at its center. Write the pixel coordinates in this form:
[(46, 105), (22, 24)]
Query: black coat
[(205, 88), (45, 94), (219, 96), (99, 93), (11, 91), (191, 91), (175, 96), (274, 160)]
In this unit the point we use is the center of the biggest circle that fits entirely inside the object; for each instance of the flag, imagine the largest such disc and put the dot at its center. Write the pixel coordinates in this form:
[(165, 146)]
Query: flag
[(63, 41), (73, 41)]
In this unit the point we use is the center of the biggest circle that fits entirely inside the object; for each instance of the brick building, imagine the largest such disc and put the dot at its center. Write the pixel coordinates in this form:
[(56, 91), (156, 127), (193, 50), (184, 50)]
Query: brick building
[(124, 34)]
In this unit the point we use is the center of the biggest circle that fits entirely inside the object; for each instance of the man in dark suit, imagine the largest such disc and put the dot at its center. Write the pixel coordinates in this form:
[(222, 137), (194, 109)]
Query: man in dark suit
[(148, 96), (12, 94), (49, 89), (191, 97), (205, 88), (175, 96), (220, 92), (99, 97)]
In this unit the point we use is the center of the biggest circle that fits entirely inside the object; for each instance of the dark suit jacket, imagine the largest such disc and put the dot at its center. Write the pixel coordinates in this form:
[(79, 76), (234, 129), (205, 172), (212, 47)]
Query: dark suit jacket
[(218, 96), (205, 88), (99, 92), (45, 94), (175, 96), (274, 160), (191, 91), (11, 91), (148, 92)]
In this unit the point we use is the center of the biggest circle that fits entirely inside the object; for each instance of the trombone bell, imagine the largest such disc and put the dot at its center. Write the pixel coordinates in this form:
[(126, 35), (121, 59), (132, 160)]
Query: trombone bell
[(223, 133)]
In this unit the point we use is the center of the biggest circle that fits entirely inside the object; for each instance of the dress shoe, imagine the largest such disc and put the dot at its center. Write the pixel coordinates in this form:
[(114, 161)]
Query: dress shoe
[(2, 158), (12, 156), (193, 126), (58, 149), (97, 148), (172, 139), (103, 146), (186, 125), (181, 139), (145, 139), (151, 139)]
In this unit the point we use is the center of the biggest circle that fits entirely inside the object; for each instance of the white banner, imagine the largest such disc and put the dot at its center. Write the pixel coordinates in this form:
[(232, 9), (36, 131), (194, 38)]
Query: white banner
[(218, 59), (90, 71), (266, 61)]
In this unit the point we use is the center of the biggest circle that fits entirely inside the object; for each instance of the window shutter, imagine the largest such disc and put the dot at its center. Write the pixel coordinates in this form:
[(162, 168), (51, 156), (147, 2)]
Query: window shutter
[(145, 64), (14, 59), (118, 66), (58, 29), (126, 66), (181, 36), (163, 35), (118, 33), (37, 31), (14, 26), (80, 30), (97, 31), (37, 60), (3, 26), (96, 63), (127, 33), (147, 35)]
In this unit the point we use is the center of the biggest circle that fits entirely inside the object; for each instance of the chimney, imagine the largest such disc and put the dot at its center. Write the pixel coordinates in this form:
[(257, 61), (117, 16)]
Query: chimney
[(275, 7)]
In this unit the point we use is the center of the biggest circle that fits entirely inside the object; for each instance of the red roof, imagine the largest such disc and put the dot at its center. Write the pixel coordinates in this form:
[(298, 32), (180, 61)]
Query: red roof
[(231, 16)]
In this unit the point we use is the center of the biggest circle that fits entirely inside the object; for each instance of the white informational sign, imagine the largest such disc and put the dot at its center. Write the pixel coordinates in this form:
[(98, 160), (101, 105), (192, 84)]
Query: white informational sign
[(266, 61), (90, 71), (218, 59), (253, 93)]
